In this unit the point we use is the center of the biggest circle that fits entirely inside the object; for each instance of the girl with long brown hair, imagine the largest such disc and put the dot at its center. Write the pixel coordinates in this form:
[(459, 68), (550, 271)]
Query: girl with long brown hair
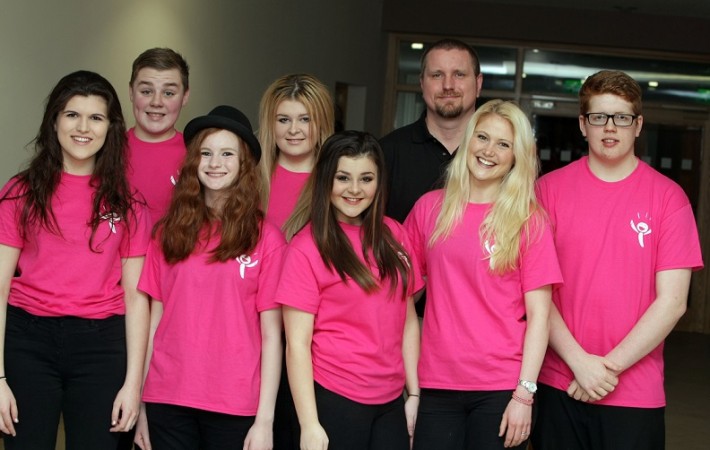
[(73, 326), (351, 329)]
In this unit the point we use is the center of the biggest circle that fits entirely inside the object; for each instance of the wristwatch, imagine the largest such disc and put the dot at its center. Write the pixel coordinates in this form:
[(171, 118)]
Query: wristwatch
[(529, 386)]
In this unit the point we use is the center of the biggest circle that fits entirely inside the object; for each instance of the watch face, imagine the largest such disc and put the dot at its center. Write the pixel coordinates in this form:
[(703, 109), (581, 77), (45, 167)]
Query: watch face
[(529, 386)]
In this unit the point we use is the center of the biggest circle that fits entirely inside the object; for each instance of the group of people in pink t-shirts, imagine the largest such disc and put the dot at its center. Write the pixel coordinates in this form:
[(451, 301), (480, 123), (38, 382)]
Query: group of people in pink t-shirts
[(222, 288)]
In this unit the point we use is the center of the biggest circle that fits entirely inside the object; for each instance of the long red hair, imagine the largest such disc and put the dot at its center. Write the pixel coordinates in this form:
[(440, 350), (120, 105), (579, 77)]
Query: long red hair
[(189, 220)]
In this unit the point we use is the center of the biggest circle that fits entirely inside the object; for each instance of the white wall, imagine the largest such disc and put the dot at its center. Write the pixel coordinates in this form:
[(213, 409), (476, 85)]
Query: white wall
[(235, 48)]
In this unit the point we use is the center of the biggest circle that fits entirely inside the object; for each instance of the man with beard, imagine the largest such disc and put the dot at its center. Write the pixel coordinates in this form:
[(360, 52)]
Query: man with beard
[(417, 154)]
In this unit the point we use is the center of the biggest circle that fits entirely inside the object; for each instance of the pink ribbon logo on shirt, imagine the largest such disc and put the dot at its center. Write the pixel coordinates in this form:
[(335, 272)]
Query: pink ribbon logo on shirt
[(244, 262), (113, 219)]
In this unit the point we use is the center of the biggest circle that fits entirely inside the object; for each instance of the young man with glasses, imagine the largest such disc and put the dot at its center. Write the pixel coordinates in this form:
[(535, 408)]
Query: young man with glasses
[(627, 243)]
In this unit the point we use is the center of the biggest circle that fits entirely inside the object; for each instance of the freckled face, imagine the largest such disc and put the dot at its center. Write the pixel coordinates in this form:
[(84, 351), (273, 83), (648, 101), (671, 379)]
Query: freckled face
[(354, 188)]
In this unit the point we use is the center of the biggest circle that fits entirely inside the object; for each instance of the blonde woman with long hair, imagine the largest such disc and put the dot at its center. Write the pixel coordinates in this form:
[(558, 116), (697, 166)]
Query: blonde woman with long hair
[(487, 252)]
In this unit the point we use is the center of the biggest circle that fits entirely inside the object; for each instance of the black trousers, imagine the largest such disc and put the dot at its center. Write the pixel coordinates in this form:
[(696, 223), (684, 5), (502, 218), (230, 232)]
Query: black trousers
[(568, 424), (356, 426), (461, 420), (175, 427), (65, 366)]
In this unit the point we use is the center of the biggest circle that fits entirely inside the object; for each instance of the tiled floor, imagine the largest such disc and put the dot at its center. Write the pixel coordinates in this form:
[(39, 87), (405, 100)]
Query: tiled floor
[(688, 391)]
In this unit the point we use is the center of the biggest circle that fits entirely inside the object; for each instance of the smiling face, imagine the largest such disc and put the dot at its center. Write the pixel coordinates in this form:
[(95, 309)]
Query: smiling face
[(81, 131), (611, 145), (219, 165), (449, 85), (158, 97), (292, 129), (490, 156), (354, 188)]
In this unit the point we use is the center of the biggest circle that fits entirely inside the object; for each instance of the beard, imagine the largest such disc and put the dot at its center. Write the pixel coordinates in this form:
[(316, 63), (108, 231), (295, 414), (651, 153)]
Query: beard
[(449, 110), (450, 105)]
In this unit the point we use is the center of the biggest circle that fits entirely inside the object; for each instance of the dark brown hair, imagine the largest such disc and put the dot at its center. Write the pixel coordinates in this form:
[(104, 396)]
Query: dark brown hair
[(162, 59), (38, 183), (377, 240)]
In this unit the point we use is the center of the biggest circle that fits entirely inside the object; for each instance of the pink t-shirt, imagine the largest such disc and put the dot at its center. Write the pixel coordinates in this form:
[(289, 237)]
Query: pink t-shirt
[(474, 321), (286, 186), (153, 169), (60, 275), (612, 239), (357, 337), (207, 347)]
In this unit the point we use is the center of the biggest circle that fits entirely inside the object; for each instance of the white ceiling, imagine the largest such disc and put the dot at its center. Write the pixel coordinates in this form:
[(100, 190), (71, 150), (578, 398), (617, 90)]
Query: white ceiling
[(683, 8)]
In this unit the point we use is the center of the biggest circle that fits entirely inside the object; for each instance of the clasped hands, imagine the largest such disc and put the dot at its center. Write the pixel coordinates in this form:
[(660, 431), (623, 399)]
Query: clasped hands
[(594, 378)]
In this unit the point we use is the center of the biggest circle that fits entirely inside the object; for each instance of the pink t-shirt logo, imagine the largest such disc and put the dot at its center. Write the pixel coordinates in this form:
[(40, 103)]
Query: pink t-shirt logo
[(489, 248), (641, 228), (244, 262), (112, 219), (173, 178), (404, 259)]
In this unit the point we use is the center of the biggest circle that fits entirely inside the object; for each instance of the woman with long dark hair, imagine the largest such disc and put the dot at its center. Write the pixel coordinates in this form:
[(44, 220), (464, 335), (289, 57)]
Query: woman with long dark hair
[(351, 330), (72, 243)]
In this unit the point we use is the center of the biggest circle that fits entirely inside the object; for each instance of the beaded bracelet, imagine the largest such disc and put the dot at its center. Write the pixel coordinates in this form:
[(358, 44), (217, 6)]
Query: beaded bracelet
[(519, 399)]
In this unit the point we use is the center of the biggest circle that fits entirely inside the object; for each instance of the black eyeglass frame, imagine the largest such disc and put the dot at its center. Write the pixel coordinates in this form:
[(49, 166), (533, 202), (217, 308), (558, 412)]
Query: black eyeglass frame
[(613, 118)]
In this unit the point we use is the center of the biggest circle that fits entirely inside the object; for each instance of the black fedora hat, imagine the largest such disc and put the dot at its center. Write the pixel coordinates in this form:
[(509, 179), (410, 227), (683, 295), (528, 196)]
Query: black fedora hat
[(227, 118)]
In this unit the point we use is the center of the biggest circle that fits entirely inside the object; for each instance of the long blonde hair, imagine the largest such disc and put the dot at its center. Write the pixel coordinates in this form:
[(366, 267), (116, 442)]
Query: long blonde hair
[(515, 206), (315, 97)]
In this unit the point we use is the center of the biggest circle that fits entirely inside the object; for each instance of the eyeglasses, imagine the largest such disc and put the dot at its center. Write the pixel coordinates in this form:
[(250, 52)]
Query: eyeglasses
[(601, 119)]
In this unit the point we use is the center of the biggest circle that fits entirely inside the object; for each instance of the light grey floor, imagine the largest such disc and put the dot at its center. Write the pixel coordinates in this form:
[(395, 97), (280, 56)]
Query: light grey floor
[(687, 388)]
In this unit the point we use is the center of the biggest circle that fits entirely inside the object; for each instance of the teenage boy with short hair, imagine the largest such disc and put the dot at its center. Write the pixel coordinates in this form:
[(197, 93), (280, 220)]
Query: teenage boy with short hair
[(627, 243), (159, 89)]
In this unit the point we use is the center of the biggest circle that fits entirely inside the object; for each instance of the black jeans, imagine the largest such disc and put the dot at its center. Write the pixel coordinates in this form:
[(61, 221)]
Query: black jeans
[(174, 427), (356, 426), (461, 420), (64, 365)]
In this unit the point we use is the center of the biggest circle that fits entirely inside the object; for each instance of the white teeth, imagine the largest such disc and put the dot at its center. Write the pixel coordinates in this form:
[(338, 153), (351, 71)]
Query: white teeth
[(81, 139), (485, 163)]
